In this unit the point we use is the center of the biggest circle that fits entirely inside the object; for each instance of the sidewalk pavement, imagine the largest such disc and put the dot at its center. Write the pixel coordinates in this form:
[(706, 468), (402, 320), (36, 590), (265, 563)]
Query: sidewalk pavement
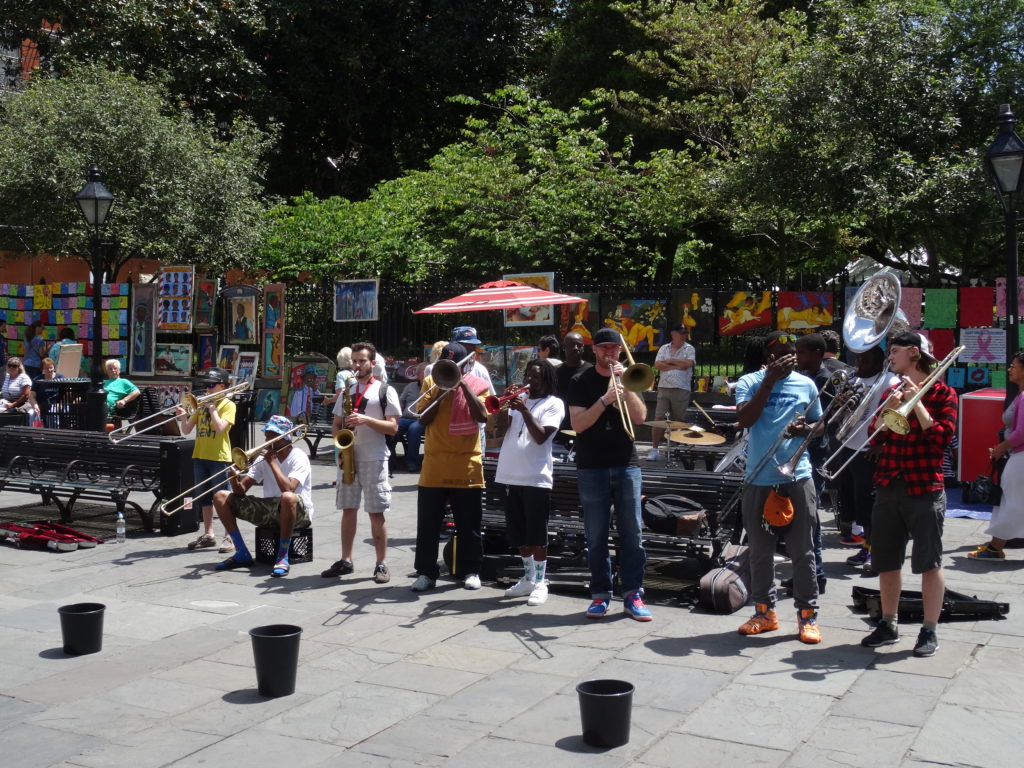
[(462, 678)]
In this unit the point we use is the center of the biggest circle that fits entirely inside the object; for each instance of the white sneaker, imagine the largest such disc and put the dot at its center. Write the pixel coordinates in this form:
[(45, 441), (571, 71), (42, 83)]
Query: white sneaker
[(521, 588), (653, 454), (472, 581), (539, 596), (423, 583)]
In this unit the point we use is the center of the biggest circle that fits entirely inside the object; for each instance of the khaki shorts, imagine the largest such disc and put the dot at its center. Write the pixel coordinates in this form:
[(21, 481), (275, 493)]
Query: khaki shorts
[(371, 485), (265, 512), (674, 401)]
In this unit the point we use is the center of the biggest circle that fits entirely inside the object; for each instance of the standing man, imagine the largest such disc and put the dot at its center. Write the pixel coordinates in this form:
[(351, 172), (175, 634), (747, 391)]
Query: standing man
[(910, 493), (573, 344), (375, 412), (675, 361), (452, 474), (608, 473), (465, 335), (767, 403)]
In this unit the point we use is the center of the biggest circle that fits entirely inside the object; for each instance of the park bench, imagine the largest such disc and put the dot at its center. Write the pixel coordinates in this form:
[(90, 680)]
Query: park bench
[(64, 466)]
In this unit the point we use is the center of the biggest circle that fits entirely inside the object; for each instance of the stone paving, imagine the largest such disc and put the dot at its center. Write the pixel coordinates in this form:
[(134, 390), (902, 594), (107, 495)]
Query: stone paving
[(460, 678)]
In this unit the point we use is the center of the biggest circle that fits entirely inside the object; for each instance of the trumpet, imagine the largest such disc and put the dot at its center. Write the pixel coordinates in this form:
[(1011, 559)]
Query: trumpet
[(446, 375), (241, 461), (189, 403), (493, 403)]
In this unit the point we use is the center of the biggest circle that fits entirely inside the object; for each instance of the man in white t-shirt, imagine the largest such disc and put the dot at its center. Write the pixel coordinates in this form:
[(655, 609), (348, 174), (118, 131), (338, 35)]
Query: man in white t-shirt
[(287, 501), (675, 361), (525, 467), (373, 416), (466, 336)]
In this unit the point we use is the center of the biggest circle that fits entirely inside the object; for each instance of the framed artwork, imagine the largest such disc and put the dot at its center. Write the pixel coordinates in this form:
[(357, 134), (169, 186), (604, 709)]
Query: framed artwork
[(804, 310), (206, 295), (242, 320), (273, 329), (143, 329), (307, 379), (583, 318), (642, 322), (175, 311), (207, 357), (523, 316), (694, 308), (268, 403), (355, 300), (246, 365), (173, 359), (743, 311), (227, 357)]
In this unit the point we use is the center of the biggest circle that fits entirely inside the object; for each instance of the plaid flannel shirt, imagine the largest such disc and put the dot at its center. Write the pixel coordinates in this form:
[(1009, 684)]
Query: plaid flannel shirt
[(917, 455)]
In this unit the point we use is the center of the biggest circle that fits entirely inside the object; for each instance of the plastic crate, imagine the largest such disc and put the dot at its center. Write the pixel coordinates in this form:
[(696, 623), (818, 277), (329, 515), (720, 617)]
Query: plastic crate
[(300, 550)]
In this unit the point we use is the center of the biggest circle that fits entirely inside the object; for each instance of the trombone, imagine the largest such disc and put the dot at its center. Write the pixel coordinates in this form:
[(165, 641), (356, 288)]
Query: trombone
[(189, 402), (844, 397), (446, 375), (241, 461), (637, 377)]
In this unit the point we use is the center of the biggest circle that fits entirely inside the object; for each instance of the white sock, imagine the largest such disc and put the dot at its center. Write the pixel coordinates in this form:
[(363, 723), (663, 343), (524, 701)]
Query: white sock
[(528, 567), (856, 530), (540, 570)]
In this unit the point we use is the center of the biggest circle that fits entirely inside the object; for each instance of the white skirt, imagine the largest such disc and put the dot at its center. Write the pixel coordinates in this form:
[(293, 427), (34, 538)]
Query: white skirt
[(1008, 517)]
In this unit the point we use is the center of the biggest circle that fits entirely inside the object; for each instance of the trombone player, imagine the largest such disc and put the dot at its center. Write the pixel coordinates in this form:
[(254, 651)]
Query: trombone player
[(910, 492), (608, 472), (211, 455)]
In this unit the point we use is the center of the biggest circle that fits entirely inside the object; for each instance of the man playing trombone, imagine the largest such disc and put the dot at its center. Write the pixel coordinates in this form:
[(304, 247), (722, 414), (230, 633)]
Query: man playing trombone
[(602, 412), (287, 501), (910, 491), (211, 455), (768, 402)]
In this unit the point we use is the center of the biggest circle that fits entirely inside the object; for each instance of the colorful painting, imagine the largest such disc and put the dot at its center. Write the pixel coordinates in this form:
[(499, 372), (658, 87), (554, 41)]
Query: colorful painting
[(173, 359), (543, 315), (227, 357), (143, 333), (696, 310), (170, 394), (175, 313), (273, 329), (306, 380), (642, 322), (804, 310), (207, 351), (246, 366), (583, 318), (518, 358), (743, 311), (206, 296), (355, 300), (241, 318)]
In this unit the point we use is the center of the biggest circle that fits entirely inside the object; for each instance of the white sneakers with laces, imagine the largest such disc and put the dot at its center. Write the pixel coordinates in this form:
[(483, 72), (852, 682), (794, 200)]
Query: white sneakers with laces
[(521, 588), (653, 454), (539, 595)]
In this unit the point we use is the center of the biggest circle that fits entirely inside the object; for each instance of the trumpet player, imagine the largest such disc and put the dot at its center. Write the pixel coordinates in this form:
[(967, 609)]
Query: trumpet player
[(608, 472), (910, 493), (375, 412), (212, 451)]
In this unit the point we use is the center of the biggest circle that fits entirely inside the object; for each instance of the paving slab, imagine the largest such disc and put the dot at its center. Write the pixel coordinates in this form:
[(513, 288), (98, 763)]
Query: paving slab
[(700, 750), (969, 736)]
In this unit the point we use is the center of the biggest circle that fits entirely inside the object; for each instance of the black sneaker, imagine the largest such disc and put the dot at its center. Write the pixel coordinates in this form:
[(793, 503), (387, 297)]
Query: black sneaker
[(340, 568), (927, 642), (884, 634)]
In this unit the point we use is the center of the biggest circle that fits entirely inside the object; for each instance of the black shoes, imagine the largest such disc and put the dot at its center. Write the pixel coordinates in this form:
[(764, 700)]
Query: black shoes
[(884, 634), (927, 643), (340, 568)]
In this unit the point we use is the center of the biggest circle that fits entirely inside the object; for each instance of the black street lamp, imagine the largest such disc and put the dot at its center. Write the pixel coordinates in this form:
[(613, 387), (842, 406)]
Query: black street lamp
[(1005, 163), (95, 202)]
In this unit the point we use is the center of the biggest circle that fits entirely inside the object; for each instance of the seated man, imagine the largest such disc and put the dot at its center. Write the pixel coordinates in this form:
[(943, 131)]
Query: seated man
[(287, 502), (120, 391)]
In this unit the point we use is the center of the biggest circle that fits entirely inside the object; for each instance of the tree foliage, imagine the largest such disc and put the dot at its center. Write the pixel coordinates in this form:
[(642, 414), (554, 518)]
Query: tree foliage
[(182, 193)]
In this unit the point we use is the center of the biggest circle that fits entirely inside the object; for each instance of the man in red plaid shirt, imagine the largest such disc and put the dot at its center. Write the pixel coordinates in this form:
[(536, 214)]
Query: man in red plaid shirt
[(910, 495)]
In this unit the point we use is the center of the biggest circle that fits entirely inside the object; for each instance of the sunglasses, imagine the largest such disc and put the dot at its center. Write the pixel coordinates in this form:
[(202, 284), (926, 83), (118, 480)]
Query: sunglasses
[(783, 339), (13, 366)]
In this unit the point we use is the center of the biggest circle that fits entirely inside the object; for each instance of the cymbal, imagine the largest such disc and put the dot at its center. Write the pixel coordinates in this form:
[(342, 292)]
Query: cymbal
[(668, 424), (569, 432), (695, 437)]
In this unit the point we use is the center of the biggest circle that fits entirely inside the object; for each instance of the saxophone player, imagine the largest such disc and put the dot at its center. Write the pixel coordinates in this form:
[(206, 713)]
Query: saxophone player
[(373, 414)]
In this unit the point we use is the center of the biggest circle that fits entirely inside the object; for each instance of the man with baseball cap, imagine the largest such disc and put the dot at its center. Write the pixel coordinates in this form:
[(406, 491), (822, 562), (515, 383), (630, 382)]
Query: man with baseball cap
[(466, 336), (910, 493), (675, 361), (287, 501), (212, 452)]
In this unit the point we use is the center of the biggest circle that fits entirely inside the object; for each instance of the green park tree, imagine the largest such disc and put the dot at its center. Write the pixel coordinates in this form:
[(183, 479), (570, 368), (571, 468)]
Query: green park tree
[(182, 193)]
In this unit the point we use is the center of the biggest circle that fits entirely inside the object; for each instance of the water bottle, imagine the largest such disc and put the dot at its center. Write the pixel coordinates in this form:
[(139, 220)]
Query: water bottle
[(119, 527)]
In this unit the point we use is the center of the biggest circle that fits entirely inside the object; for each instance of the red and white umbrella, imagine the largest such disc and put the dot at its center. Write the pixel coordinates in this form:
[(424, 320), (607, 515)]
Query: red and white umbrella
[(500, 294)]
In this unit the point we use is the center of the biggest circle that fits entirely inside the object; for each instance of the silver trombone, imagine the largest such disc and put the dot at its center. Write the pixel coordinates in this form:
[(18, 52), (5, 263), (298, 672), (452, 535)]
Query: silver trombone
[(446, 375), (189, 403), (241, 461)]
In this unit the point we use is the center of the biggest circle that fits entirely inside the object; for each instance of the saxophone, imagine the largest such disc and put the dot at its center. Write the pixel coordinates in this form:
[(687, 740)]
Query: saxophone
[(345, 440)]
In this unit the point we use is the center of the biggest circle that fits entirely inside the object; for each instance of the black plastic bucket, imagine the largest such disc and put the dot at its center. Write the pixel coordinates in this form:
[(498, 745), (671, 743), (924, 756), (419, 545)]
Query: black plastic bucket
[(605, 709), (275, 649), (81, 627)]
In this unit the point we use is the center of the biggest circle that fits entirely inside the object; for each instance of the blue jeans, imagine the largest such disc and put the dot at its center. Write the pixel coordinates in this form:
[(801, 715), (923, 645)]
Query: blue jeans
[(599, 489), (412, 431)]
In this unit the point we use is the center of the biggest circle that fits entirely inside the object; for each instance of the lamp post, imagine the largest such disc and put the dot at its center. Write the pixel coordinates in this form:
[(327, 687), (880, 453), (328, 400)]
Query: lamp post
[(95, 201), (1005, 163)]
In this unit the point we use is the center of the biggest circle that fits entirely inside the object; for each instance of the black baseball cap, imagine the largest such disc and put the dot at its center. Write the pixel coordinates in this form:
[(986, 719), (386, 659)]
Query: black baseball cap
[(608, 336), (911, 339), (215, 376)]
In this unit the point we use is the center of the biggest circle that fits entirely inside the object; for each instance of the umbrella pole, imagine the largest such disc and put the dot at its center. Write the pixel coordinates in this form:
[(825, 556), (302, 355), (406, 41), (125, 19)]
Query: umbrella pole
[(504, 346)]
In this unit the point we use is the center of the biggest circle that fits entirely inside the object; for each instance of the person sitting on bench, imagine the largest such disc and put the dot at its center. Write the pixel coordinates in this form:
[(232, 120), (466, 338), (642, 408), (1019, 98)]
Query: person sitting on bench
[(119, 390), (287, 501)]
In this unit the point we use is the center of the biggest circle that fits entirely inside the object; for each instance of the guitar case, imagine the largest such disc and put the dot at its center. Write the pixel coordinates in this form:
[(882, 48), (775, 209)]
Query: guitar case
[(955, 606)]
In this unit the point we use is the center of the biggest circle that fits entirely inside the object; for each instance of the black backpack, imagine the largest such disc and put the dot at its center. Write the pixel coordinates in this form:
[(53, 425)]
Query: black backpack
[(674, 515)]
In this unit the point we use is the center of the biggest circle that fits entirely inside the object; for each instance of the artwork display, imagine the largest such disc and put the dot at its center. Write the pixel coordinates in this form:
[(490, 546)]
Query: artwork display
[(268, 403), (175, 313), (246, 366), (696, 310), (355, 300), (543, 315), (241, 314), (227, 356), (583, 318), (173, 359), (143, 333), (206, 297), (273, 329), (307, 379), (642, 322), (207, 350), (984, 345), (743, 311), (804, 310)]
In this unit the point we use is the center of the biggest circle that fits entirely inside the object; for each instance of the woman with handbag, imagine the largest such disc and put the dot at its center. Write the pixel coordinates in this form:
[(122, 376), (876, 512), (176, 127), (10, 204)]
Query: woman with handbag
[(16, 388), (1008, 516)]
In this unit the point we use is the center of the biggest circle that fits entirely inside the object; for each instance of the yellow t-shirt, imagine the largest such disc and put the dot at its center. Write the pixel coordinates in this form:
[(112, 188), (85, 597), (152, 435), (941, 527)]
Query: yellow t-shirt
[(210, 445), (449, 461)]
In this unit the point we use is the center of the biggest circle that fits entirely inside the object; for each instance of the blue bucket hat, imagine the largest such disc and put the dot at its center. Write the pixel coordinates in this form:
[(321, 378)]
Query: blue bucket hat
[(467, 334), (280, 425)]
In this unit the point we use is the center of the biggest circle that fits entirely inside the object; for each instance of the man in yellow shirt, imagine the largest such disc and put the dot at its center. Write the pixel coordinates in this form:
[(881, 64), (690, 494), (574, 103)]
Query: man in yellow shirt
[(452, 474), (212, 451)]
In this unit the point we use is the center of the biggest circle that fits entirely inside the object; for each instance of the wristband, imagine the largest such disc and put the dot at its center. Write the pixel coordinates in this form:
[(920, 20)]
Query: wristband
[(606, 406)]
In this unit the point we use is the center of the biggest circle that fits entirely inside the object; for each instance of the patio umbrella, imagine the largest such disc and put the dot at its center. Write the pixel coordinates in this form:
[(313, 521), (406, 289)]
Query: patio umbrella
[(500, 294)]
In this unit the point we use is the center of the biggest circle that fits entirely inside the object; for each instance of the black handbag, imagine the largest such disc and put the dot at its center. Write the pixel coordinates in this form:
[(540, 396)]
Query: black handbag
[(984, 489)]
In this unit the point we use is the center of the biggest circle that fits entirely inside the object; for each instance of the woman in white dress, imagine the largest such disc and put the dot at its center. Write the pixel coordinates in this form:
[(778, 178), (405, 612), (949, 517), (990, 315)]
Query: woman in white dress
[(1008, 516)]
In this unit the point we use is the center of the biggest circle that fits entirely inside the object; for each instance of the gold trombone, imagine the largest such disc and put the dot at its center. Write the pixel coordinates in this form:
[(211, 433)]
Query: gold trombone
[(189, 403), (241, 461), (446, 375), (637, 377)]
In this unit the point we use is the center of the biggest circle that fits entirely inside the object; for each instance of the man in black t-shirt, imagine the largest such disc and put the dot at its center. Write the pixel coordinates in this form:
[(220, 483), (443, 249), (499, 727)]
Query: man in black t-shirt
[(574, 363), (608, 472)]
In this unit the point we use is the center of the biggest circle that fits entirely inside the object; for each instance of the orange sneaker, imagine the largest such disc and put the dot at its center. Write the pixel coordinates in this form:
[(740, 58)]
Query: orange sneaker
[(763, 620), (807, 623)]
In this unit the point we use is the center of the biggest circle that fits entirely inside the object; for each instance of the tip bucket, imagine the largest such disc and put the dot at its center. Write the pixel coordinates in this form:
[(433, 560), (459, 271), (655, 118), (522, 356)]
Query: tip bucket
[(606, 707), (275, 650), (81, 627)]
